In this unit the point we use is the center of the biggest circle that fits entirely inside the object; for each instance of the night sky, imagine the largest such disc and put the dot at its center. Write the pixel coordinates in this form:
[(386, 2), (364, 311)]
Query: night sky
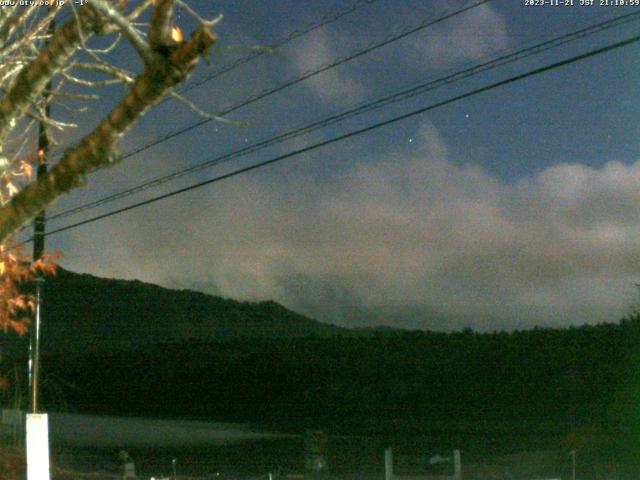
[(512, 208)]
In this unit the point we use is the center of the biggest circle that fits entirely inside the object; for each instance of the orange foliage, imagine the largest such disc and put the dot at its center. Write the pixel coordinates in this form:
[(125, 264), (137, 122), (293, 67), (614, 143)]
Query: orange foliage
[(26, 168), (16, 273), (176, 35), (17, 303), (18, 173)]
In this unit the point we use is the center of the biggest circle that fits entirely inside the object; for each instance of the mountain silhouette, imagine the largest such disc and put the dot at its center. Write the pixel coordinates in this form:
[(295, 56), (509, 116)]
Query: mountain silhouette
[(84, 312)]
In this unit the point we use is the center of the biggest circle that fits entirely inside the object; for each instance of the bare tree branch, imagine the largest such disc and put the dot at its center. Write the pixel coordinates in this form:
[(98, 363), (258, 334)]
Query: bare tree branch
[(33, 79), (194, 108), (106, 68), (197, 16), (139, 10), (130, 33), (160, 27), (76, 96), (98, 149), (14, 21), (33, 34), (58, 125), (90, 83)]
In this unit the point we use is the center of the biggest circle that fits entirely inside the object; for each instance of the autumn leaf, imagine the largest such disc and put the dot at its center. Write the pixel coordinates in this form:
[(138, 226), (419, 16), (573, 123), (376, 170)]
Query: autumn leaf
[(176, 35), (12, 189), (26, 168), (20, 326), (18, 302)]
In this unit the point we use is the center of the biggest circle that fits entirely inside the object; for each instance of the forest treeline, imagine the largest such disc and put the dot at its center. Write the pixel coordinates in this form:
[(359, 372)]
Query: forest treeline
[(130, 348), (547, 382)]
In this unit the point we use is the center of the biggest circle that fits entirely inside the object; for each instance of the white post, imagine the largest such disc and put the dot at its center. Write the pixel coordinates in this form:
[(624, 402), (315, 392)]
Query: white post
[(388, 464), (37, 446), (457, 465), (573, 464)]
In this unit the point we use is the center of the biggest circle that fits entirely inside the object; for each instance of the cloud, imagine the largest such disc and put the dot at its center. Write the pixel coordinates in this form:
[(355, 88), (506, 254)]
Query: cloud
[(467, 37), (406, 237), (471, 36), (336, 85)]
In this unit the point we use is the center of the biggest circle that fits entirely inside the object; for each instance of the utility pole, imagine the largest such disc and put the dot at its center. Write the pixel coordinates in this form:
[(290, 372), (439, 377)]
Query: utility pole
[(37, 425), (38, 241), (38, 249), (573, 464)]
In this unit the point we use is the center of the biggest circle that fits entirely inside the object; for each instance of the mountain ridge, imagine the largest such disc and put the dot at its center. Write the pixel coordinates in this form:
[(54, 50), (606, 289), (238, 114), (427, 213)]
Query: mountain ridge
[(85, 311)]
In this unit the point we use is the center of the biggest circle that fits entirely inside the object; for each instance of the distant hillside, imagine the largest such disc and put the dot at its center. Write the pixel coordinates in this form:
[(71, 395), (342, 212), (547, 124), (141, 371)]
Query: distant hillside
[(86, 312), (129, 348)]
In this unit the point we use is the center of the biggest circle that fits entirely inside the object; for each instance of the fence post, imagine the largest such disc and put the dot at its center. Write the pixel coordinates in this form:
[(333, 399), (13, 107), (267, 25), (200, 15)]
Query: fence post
[(457, 465), (388, 464)]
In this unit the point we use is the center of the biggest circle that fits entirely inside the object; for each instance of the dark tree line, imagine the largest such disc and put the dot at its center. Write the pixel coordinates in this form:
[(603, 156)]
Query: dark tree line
[(542, 381)]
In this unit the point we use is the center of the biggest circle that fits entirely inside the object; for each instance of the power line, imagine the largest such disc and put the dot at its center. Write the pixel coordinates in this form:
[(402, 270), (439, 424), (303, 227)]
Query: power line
[(362, 108), (326, 20), (307, 75), (354, 133), (292, 36)]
